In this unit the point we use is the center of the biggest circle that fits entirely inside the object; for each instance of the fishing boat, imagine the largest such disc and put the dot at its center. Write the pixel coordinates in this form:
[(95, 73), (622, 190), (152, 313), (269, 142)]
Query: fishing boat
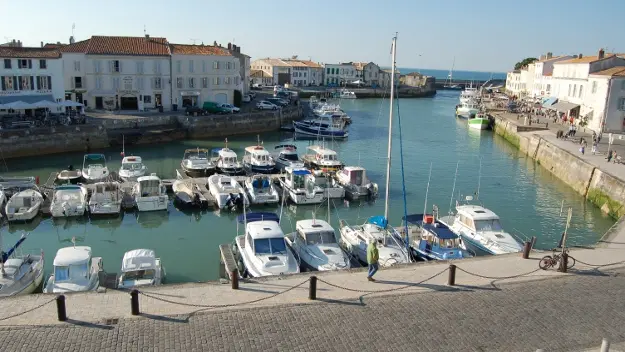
[(150, 194), (469, 94), (20, 274), (321, 158), (195, 163), (69, 201), (106, 199), (347, 94), (70, 175), (328, 128), (188, 193), (257, 160), (355, 239), (94, 168), (355, 182), (332, 111), (75, 270), (140, 267), (24, 205), (227, 192), (286, 156), (226, 161), (261, 190), (132, 168), (263, 250), (314, 243), (479, 121), (330, 186), (299, 187), (430, 239), (480, 230), (468, 109)]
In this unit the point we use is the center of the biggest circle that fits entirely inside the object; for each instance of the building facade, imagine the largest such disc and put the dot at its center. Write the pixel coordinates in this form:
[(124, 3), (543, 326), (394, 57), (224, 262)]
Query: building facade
[(606, 100), (543, 73), (203, 73), (30, 75), (244, 67), (261, 78), (513, 83), (288, 71), (340, 74)]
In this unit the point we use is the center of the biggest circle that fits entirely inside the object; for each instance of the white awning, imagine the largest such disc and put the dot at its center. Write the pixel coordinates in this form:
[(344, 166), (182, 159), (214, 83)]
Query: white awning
[(69, 103), (45, 104), (563, 106), (18, 105)]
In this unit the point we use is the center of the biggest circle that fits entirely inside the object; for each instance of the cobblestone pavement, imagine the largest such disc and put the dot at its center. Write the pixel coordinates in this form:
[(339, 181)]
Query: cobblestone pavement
[(569, 313)]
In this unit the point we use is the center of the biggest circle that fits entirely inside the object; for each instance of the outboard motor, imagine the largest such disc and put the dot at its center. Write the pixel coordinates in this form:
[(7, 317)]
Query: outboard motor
[(70, 168), (230, 202), (238, 201)]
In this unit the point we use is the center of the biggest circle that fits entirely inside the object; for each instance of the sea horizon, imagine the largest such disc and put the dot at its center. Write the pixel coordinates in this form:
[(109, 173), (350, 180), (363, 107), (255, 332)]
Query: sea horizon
[(457, 74)]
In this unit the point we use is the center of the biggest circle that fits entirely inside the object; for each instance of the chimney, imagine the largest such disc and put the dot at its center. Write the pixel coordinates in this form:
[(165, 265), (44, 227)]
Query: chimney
[(542, 57), (59, 43), (215, 43), (579, 56), (549, 55), (601, 54), (229, 46), (13, 42), (575, 56), (42, 44), (238, 49), (147, 36), (71, 39), (234, 48)]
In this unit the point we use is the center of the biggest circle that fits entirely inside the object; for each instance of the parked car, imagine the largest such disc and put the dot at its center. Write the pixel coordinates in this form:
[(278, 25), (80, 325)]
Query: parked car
[(193, 110), (246, 98), (283, 95), (231, 108), (266, 105), (277, 101), (214, 108), (252, 95)]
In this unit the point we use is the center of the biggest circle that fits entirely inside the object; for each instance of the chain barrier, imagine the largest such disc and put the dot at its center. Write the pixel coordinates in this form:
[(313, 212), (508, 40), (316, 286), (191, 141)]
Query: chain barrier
[(497, 277), (598, 265), (222, 305), (382, 291), (28, 310)]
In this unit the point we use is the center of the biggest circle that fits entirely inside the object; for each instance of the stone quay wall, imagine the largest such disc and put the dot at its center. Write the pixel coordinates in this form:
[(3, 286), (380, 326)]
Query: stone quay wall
[(600, 188)]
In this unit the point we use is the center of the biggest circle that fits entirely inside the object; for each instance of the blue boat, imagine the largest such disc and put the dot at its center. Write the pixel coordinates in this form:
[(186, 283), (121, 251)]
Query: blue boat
[(430, 239), (322, 127)]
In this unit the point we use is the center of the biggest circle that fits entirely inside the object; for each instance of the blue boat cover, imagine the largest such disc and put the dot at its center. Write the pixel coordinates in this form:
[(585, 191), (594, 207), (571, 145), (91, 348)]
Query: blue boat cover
[(95, 157), (258, 216), (441, 231), (216, 150), (67, 187), (378, 220), (301, 172)]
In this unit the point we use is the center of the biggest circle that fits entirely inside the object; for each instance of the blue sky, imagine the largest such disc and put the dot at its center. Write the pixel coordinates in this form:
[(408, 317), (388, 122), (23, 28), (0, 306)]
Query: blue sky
[(483, 35)]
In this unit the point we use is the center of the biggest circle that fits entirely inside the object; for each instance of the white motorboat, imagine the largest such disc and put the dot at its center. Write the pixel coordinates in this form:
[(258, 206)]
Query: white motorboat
[(68, 201), (347, 94), (297, 183), (330, 186), (468, 109), (132, 168), (227, 192), (227, 161), (24, 205), (321, 158), (354, 239), (188, 193), (94, 168), (3, 198), (70, 175), (263, 250), (20, 274), (75, 270), (18, 182), (195, 163), (480, 230), (140, 267), (314, 243), (261, 190), (257, 160), (354, 180), (469, 94), (286, 156), (106, 198), (150, 194)]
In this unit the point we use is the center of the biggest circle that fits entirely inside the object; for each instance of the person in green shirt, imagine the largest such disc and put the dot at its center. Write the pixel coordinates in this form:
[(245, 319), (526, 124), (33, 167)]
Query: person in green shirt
[(372, 259)]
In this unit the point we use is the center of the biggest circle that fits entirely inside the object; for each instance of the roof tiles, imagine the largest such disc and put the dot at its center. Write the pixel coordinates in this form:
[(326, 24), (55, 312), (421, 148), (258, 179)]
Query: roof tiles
[(618, 71), (25, 52), (184, 49)]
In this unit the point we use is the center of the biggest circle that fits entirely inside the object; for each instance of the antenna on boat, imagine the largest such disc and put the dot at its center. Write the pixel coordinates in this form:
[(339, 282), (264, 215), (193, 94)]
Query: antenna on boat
[(427, 190), (479, 181), (226, 143), (453, 188), (74, 241), (123, 145), (258, 139)]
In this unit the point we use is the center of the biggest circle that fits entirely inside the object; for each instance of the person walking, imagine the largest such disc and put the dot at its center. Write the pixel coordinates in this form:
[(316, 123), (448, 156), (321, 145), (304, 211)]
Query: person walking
[(594, 147), (372, 259)]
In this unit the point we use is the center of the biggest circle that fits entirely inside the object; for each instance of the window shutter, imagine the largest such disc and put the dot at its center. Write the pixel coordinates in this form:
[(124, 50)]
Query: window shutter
[(19, 83), (3, 84), (50, 82), (30, 63), (38, 82), (32, 83), (110, 65), (120, 66)]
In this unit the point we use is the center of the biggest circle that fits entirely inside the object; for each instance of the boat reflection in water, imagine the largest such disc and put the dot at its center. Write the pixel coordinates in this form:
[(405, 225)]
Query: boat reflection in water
[(25, 226), (153, 219)]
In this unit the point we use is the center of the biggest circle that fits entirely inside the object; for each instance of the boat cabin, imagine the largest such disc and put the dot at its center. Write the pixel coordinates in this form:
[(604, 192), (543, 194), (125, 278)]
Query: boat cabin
[(226, 155), (477, 218), (287, 152), (323, 158), (132, 163), (431, 236), (150, 186), (354, 175), (94, 160), (139, 265), (258, 154), (315, 232), (195, 154), (73, 265), (298, 178)]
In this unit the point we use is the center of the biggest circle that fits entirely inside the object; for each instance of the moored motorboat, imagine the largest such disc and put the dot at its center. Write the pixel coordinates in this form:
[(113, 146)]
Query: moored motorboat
[(94, 168), (299, 186), (227, 192), (140, 267), (323, 127), (354, 180), (20, 273), (69, 201), (195, 163), (132, 168), (257, 160), (75, 270), (226, 161), (321, 158), (70, 175), (24, 205), (347, 94), (150, 194), (479, 121), (261, 190), (286, 156), (468, 109), (106, 199), (314, 243), (188, 193), (330, 186)]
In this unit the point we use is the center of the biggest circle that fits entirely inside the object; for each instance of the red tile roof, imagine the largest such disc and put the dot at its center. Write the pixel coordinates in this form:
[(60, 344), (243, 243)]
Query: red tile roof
[(24, 52), (185, 49), (105, 45), (53, 46), (78, 47)]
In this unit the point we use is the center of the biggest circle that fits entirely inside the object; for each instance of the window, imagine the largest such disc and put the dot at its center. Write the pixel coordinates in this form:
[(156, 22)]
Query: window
[(581, 90), (236, 80), (203, 66), (621, 104), (44, 82), (574, 89), (26, 83), (191, 82), (227, 80), (304, 74), (488, 225), (190, 65), (24, 63), (216, 81), (270, 246), (77, 66), (128, 84), (140, 83), (204, 82), (115, 82), (43, 64), (96, 66), (116, 66), (7, 63), (77, 82), (178, 66), (179, 82), (147, 99), (139, 67), (9, 83), (157, 67), (61, 273), (98, 83), (215, 65), (228, 65), (328, 71), (548, 87), (570, 87), (157, 83)]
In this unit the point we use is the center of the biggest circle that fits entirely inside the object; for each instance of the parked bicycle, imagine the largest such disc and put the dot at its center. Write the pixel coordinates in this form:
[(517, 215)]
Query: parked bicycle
[(550, 261)]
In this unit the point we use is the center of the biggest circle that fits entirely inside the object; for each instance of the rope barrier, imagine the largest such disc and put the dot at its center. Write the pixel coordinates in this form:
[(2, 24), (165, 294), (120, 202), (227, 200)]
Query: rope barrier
[(497, 277), (382, 291), (28, 310), (221, 305), (599, 265)]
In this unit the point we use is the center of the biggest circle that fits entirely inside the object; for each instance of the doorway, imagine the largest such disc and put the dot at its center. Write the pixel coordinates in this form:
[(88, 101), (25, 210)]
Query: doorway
[(79, 98), (129, 103), (99, 104), (157, 100), (189, 100)]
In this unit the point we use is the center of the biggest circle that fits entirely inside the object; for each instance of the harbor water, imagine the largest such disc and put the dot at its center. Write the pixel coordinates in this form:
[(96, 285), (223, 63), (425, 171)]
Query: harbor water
[(526, 197)]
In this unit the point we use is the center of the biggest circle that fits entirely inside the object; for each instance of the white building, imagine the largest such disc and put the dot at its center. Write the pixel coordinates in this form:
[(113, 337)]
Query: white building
[(245, 70), (514, 85), (279, 70), (202, 73), (339, 74), (606, 100), (30, 75), (261, 78), (127, 73), (543, 73), (288, 71)]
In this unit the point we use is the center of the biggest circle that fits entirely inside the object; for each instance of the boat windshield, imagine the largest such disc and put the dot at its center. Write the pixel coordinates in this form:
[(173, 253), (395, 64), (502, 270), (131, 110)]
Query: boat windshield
[(299, 181), (488, 225), (325, 237), (270, 246), (194, 155), (330, 157), (291, 157), (133, 166), (229, 160), (261, 157), (72, 272), (140, 275)]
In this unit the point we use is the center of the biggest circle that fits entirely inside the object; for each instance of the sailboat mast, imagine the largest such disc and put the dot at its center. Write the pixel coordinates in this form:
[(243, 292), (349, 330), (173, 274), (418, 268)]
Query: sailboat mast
[(390, 132)]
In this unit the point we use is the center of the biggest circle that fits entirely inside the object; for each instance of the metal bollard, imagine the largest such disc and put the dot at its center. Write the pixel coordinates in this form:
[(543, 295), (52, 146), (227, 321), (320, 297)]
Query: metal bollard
[(563, 263), (533, 242), (312, 289), (134, 302), (605, 345), (451, 280), (527, 247), (60, 308), (234, 277)]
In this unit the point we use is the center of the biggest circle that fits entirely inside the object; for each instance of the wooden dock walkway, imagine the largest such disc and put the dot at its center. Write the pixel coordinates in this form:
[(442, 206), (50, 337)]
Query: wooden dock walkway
[(227, 262)]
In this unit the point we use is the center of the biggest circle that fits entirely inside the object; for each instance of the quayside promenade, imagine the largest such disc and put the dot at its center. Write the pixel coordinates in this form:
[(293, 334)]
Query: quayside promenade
[(502, 303)]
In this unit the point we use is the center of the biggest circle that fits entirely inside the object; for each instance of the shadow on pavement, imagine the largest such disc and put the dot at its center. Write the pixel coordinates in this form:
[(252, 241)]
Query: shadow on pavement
[(85, 324)]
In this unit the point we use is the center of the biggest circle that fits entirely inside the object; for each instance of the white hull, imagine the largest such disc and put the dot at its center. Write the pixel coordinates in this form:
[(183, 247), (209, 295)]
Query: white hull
[(29, 287), (221, 191), (15, 209), (105, 209), (478, 126), (152, 203), (94, 175), (24, 216), (389, 254), (130, 176), (263, 198), (286, 264), (59, 212), (334, 192)]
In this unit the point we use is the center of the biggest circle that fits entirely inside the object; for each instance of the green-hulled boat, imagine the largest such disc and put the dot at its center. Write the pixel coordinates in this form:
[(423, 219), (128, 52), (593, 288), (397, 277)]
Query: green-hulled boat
[(479, 122)]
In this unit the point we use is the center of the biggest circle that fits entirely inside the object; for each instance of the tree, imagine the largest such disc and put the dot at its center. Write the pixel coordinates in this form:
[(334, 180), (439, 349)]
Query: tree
[(238, 97), (528, 60)]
